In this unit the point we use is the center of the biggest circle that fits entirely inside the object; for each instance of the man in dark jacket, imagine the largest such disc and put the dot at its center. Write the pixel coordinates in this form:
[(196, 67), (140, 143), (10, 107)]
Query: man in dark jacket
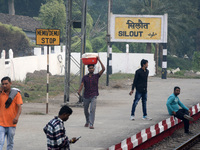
[(140, 83)]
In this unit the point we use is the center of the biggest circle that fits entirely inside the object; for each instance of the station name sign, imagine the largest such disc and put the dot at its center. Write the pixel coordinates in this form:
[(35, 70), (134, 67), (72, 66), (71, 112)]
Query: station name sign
[(47, 37), (138, 28)]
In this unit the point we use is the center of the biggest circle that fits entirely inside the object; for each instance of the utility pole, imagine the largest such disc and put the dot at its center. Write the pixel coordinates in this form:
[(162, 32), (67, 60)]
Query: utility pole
[(68, 50), (109, 45), (83, 39)]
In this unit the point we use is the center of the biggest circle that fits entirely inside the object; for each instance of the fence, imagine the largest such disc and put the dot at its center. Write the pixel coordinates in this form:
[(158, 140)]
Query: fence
[(18, 67)]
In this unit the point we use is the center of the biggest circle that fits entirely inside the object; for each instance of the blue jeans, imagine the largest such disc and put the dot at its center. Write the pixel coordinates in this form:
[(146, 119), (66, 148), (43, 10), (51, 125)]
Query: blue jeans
[(139, 95), (9, 132)]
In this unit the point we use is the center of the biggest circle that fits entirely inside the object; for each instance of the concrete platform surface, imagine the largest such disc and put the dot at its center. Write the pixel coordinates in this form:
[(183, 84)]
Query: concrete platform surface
[(112, 123)]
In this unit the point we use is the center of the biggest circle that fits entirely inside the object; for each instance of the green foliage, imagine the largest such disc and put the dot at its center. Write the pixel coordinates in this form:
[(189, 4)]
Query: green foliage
[(196, 60), (180, 73), (114, 49), (121, 76), (3, 6), (98, 9), (89, 24), (175, 62), (183, 20), (133, 47), (53, 15), (98, 42), (137, 48), (88, 46), (23, 7), (28, 7), (14, 38), (76, 44), (182, 23)]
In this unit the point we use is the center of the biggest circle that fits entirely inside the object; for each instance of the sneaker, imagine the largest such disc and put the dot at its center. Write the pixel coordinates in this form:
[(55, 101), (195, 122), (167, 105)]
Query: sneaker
[(188, 117), (91, 127), (86, 125), (132, 118), (146, 118)]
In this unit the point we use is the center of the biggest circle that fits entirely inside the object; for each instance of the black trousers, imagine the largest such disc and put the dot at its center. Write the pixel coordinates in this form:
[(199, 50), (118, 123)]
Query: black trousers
[(179, 114)]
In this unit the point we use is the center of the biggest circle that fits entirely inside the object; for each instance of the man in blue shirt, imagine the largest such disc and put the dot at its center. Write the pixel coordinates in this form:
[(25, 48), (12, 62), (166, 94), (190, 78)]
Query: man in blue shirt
[(173, 104)]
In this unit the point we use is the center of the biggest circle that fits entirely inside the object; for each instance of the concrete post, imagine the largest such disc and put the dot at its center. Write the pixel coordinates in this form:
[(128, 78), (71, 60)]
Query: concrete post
[(37, 51), (10, 54), (127, 48), (57, 49), (3, 54)]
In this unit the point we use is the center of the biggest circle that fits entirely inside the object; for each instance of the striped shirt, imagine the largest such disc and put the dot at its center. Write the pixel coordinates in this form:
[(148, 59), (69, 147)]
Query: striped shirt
[(55, 133), (91, 85)]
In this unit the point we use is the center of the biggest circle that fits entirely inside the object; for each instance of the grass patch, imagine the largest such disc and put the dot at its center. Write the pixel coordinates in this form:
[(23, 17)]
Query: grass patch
[(175, 62), (121, 76), (36, 87), (35, 113)]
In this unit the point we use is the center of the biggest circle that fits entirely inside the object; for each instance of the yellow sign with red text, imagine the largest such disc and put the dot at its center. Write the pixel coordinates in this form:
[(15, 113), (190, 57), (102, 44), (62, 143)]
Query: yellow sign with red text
[(47, 37)]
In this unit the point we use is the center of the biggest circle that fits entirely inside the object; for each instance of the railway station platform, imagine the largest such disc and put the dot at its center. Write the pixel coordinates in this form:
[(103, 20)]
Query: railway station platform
[(113, 126)]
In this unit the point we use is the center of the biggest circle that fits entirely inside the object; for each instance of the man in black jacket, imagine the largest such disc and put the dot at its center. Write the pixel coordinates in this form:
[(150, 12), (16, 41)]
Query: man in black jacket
[(140, 82)]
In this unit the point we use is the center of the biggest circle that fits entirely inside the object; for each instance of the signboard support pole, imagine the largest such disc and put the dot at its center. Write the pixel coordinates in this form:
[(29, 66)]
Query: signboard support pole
[(110, 58), (164, 61), (107, 68), (47, 99)]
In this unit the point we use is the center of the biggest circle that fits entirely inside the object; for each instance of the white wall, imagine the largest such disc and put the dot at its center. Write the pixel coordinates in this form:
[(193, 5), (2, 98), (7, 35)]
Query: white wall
[(121, 63)]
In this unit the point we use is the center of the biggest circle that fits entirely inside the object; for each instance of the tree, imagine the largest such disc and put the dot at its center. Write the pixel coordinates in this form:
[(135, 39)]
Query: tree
[(180, 21), (11, 7), (28, 7), (52, 15), (14, 38)]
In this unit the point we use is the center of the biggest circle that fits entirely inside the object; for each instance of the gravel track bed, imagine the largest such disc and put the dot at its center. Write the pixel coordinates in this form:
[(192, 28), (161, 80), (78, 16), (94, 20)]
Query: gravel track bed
[(177, 138)]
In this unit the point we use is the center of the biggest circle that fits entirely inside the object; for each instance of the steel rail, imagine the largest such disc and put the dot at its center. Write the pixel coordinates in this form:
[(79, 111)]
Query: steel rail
[(189, 143)]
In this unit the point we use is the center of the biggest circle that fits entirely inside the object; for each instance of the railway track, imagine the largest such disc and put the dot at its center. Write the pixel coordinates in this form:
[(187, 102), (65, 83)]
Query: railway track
[(192, 144), (178, 139)]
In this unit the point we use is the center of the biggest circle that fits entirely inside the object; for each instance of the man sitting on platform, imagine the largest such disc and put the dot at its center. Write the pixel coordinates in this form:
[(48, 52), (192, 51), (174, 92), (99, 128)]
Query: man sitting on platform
[(173, 104)]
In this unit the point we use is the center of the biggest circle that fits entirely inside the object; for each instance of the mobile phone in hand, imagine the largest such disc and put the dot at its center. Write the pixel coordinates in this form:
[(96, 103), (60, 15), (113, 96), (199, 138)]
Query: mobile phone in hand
[(78, 138)]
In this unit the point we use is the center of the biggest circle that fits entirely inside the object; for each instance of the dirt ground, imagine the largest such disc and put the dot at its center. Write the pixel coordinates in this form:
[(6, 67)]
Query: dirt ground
[(112, 123)]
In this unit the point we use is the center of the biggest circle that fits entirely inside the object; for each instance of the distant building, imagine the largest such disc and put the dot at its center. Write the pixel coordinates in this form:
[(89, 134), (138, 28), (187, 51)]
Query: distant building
[(27, 24)]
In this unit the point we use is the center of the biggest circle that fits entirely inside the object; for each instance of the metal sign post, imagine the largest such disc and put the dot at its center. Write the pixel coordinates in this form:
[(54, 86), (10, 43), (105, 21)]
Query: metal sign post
[(109, 45), (47, 98), (68, 50), (47, 37)]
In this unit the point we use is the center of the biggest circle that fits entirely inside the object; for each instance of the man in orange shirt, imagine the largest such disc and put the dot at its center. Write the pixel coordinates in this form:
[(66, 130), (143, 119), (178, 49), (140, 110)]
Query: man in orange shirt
[(8, 115)]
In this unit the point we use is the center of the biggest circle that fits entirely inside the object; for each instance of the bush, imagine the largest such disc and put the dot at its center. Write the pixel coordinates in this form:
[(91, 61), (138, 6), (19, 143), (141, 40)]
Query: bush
[(88, 46), (98, 43), (175, 62), (14, 38), (114, 49), (196, 60)]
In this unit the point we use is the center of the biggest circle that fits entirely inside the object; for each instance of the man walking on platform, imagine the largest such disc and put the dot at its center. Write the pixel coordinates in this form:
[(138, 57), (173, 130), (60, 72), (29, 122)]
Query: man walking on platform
[(173, 104), (140, 82), (90, 83), (10, 110)]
